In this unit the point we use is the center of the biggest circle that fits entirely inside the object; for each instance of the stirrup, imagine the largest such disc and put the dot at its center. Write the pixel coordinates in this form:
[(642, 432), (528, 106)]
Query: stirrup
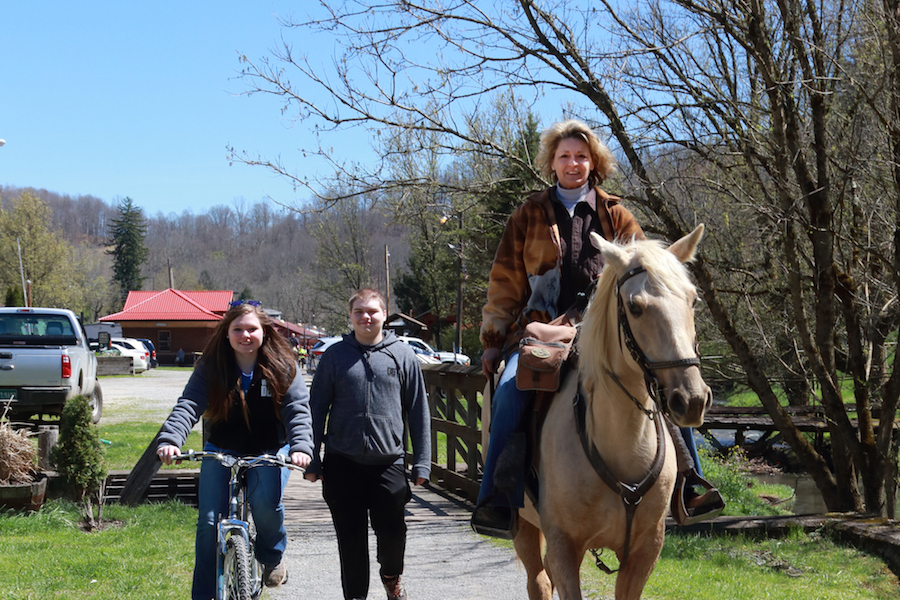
[(700, 508), (503, 528)]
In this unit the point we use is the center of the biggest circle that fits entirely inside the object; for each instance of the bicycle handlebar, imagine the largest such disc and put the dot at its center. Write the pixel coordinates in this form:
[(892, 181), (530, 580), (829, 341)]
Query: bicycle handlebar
[(229, 460)]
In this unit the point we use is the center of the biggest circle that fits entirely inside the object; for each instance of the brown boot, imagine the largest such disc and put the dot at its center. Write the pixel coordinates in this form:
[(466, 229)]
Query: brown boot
[(275, 575), (394, 587)]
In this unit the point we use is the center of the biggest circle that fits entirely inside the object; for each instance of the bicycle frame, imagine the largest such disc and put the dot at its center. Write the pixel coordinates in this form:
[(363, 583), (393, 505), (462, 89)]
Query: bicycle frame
[(238, 520)]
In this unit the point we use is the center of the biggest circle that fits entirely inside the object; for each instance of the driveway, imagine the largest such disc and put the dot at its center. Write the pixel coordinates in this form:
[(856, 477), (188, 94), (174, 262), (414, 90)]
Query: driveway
[(149, 396)]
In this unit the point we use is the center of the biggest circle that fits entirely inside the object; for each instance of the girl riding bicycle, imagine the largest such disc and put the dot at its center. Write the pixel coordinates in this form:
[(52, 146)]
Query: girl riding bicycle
[(248, 387)]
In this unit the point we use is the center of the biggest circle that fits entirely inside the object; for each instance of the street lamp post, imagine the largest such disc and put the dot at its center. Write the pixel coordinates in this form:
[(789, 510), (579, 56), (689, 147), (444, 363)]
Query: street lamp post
[(457, 346)]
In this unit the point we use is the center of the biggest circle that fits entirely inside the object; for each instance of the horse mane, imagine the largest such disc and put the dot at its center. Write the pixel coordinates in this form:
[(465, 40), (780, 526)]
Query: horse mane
[(599, 336)]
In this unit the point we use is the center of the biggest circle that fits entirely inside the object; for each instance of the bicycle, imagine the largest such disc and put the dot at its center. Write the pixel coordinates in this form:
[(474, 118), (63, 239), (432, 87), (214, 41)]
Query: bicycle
[(238, 574)]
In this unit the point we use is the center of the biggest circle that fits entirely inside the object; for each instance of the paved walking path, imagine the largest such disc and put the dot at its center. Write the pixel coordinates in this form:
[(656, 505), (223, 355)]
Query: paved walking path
[(445, 560)]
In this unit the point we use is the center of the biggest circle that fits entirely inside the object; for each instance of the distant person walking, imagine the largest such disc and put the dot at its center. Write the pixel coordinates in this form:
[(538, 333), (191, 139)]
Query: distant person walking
[(365, 387), (179, 358), (254, 398)]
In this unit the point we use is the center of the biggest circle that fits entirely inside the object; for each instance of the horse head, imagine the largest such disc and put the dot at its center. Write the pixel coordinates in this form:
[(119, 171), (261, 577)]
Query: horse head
[(648, 299)]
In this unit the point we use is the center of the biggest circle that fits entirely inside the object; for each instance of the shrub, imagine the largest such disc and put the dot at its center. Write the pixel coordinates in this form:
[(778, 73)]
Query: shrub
[(79, 457)]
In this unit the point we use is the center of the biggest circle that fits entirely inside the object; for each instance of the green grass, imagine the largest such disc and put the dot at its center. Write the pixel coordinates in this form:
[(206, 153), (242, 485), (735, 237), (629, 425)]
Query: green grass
[(147, 553), (796, 567), (129, 440), (742, 493)]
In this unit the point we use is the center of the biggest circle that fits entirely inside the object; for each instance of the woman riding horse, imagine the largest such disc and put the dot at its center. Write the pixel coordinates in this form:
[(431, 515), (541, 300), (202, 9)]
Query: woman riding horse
[(543, 267)]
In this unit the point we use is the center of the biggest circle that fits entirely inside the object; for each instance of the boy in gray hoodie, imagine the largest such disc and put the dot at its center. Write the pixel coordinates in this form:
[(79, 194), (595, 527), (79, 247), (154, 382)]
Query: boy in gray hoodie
[(365, 387)]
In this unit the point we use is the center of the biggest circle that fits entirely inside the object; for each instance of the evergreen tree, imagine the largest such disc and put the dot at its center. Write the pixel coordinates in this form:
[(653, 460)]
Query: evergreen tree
[(14, 296), (127, 235), (79, 457)]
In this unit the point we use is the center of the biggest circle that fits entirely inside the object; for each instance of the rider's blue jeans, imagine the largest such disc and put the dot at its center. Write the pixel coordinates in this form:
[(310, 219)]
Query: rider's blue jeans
[(265, 486), (507, 407)]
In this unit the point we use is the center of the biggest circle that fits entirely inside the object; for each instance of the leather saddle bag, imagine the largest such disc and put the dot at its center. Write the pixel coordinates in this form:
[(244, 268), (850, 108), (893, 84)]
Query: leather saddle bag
[(542, 352)]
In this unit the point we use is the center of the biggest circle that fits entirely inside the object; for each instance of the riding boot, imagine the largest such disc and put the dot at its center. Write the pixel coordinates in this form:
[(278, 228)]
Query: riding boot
[(511, 466), (687, 505), (492, 517)]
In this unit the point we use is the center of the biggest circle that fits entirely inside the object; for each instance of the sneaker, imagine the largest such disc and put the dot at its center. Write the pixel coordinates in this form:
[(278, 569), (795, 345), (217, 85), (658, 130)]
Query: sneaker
[(394, 587), (495, 521), (275, 575)]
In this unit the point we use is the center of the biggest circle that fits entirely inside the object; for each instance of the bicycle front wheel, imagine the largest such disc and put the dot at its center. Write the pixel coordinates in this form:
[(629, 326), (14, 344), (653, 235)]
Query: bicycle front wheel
[(237, 569)]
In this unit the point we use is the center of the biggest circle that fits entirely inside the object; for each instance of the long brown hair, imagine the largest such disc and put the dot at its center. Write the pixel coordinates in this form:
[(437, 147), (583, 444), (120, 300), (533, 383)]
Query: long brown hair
[(275, 362)]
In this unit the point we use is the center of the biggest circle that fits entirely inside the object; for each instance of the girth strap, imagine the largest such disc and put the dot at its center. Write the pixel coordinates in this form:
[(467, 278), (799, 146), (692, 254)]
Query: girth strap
[(631, 494)]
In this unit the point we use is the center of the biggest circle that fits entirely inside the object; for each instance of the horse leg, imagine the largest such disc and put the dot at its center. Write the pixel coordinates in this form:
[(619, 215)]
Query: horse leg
[(631, 580), (528, 544), (563, 563)]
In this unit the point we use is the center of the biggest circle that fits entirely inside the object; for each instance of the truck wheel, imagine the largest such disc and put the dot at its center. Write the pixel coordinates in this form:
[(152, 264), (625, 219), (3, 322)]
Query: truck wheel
[(96, 403)]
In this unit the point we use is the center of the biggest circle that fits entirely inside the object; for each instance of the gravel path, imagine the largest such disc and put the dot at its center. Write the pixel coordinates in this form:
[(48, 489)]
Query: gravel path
[(149, 396), (445, 560)]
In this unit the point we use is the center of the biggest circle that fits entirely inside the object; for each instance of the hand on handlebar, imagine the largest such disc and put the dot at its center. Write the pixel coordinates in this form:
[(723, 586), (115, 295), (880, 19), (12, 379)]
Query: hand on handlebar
[(300, 459), (168, 453)]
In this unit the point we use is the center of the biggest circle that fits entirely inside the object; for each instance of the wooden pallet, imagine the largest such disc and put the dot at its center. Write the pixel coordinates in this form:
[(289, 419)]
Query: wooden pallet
[(165, 485)]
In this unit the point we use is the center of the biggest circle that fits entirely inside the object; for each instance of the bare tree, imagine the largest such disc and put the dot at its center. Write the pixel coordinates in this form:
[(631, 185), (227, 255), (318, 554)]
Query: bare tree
[(776, 122)]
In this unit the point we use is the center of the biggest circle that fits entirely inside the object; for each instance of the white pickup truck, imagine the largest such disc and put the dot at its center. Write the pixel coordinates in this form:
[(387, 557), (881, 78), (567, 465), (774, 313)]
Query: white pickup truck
[(45, 359)]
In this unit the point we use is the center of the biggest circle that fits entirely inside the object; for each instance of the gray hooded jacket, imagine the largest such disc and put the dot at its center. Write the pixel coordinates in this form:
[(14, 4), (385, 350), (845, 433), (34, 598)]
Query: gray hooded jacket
[(365, 393)]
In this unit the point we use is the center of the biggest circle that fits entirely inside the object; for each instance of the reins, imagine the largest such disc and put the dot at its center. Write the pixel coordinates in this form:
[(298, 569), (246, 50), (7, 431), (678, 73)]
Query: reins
[(631, 494)]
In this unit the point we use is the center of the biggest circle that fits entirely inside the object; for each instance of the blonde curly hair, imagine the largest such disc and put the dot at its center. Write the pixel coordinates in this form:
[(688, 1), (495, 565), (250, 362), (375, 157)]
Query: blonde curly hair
[(604, 162)]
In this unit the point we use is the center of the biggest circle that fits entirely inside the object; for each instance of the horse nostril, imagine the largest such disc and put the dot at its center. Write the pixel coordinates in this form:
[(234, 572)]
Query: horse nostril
[(677, 404)]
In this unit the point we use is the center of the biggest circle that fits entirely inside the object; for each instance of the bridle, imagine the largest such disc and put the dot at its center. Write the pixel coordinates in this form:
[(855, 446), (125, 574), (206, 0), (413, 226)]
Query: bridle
[(648, 367)]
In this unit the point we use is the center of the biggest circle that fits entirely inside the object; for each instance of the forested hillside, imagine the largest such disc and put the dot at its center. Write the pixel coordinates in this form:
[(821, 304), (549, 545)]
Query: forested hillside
[(268, 252)]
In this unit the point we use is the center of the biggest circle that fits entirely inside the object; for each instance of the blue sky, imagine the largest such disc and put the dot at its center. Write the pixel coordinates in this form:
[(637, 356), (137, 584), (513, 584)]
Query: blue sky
[(141, 99)]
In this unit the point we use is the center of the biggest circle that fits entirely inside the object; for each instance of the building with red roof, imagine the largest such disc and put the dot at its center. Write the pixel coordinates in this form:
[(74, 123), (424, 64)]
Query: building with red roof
[(172, 319)]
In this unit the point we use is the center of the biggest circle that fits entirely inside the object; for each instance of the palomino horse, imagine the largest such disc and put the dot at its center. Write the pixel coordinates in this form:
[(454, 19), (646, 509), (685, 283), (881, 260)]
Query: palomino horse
[(638, 331)]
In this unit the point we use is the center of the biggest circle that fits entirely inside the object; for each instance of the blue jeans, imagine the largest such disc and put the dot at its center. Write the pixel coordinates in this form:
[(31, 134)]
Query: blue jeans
[(265, 486), (507, 407)]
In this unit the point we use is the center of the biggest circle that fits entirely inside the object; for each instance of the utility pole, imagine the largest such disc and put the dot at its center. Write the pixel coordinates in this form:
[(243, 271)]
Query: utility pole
[(22, 273), (387, 279)]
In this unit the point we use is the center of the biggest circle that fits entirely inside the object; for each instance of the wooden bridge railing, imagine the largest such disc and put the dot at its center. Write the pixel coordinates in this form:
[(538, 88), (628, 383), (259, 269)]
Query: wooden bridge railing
[(455, 399)]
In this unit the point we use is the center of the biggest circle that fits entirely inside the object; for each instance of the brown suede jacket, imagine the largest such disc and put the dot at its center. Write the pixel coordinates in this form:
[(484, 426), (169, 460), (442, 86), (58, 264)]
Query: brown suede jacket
[(540, 237)]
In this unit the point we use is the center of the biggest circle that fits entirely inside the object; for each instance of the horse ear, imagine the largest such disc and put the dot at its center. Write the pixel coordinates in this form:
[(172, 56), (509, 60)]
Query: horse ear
[(614, 254), (684, 248)]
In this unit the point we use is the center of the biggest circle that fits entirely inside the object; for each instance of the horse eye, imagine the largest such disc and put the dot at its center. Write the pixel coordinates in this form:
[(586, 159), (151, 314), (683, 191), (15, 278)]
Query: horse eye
[(634, 308)]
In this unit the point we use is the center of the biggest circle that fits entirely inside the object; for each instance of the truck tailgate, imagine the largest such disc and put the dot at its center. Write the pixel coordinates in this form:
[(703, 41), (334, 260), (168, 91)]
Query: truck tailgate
[(30, 366)]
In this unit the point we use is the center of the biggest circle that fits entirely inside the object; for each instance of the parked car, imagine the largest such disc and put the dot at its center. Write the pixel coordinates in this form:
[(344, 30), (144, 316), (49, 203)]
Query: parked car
[(449, 357), (152, 349), (45, 360), (135, 349), (424, 352), (319, 348)]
